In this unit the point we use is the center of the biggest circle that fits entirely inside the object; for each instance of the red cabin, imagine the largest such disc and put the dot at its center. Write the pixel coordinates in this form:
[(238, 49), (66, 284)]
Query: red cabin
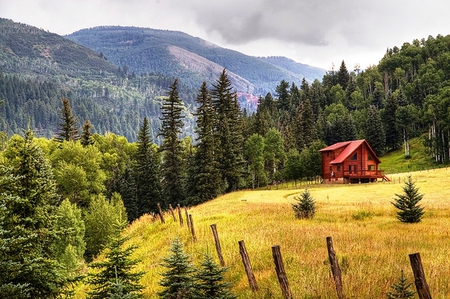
[(350, 162)]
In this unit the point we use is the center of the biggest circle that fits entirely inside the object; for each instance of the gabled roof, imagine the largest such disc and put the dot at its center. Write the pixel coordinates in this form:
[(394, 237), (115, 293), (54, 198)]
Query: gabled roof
[(350, 148)]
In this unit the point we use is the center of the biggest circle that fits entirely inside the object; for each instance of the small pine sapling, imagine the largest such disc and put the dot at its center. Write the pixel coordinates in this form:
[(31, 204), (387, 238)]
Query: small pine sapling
[(210, 281), (305, 206), (408, 203), (178, 280), (401, 289)]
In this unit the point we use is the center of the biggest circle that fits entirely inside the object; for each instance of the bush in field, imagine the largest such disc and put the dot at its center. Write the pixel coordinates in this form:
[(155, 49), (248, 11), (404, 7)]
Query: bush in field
[(408, 203), (305, 206), (401, 289)]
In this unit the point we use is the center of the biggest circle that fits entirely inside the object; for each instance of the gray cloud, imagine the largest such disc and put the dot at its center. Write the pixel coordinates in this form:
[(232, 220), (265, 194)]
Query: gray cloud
[(317, 32)]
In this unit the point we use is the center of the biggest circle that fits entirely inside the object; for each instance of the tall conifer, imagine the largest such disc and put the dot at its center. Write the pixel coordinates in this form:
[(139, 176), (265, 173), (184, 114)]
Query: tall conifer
[(28, 201), (173, 166), (147, 172), (206, 180), (68, 130), (228, 129)]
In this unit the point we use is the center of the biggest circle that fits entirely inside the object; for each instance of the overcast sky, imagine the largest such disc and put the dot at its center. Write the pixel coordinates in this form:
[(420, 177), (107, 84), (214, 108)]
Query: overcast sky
[(315, 32)]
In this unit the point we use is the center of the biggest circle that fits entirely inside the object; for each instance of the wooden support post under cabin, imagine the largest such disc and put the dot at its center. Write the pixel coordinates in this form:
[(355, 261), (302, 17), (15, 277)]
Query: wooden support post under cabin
[(248, 266), (281, 272), (173, 213), (217, 242), (335, 270), (191, 224), (180, 214), (187, 218), (161, 213), (419, 276)]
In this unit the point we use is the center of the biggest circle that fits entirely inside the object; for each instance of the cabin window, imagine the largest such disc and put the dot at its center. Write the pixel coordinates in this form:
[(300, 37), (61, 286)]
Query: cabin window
[(349, 169), (354, 157), (330, 168), (339, 168), (328, 154), (369, 157), (371, 167)]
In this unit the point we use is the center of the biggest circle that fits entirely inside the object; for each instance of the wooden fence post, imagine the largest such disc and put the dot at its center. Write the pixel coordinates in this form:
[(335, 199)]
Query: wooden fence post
[(335, 268), (173, 213), (281, 273), (248, 266), (217, 242), (419, 276), (191, 224), (161, 213), (187, 218), (180, 215)]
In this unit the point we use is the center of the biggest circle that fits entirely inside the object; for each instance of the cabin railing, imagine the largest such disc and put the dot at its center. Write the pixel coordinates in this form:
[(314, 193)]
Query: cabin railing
[(363, 173)]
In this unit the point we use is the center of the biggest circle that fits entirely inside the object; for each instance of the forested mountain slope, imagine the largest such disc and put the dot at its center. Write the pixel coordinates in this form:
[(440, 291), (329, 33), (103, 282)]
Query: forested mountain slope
[(173, 53)]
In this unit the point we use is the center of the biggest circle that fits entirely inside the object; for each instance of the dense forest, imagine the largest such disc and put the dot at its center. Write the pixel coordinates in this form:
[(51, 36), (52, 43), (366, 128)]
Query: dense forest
[(62, 197)]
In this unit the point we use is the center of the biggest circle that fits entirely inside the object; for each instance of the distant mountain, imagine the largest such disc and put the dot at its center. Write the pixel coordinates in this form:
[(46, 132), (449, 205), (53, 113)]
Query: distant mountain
[(191, 59)]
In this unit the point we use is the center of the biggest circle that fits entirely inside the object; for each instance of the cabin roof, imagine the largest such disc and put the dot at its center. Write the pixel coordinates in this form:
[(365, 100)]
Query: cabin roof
[(350, 147)]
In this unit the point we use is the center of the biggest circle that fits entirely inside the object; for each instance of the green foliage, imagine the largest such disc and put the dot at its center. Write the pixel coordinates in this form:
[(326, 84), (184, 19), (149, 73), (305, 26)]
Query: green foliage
[(69, 246), (305, 206), (374, 131), (86, 136), (178, 279), (99, 220), (209, 281), (28, 201), (408, 203), (116, 277), (254, 154), (401, 289)]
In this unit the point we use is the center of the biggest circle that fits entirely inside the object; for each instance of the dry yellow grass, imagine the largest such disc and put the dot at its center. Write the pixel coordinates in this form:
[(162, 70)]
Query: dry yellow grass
[(371, 244)]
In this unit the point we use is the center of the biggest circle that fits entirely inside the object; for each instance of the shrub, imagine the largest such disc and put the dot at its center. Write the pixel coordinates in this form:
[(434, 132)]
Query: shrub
[(407, 203), (305, 206)]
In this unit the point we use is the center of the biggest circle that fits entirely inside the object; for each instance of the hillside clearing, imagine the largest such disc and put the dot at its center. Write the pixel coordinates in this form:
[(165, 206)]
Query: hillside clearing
[(371, 244)]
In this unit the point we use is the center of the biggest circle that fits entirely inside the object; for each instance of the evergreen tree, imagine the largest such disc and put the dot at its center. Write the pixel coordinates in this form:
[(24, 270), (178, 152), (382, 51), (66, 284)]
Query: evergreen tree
[(408, 203), (254, 152), (178, 280), (86, 136), (374, 131), (28, 201), (343, 76), (390, 123), (68, 127), (206, 183), (282, 92), (228, 130), (305, 206), (147, 172), (210, 281), (173, 166), (401, 289), (116, 276)]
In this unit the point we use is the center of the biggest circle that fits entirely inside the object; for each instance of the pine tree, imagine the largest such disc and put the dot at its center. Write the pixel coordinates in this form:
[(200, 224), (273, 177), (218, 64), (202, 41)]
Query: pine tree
[(206, 183), (116, 275), (343, 76), (408, 203), (390, 123), (86, 136), (68, 127), (305, 206), (374, 131), (173, 166), (401, 289), (147, 172), (210, 281), (228, 130), (178, 280), (28, 201)]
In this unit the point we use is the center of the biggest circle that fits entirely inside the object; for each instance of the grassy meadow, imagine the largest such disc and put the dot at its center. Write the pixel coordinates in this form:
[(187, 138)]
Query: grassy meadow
[(371, 244)]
